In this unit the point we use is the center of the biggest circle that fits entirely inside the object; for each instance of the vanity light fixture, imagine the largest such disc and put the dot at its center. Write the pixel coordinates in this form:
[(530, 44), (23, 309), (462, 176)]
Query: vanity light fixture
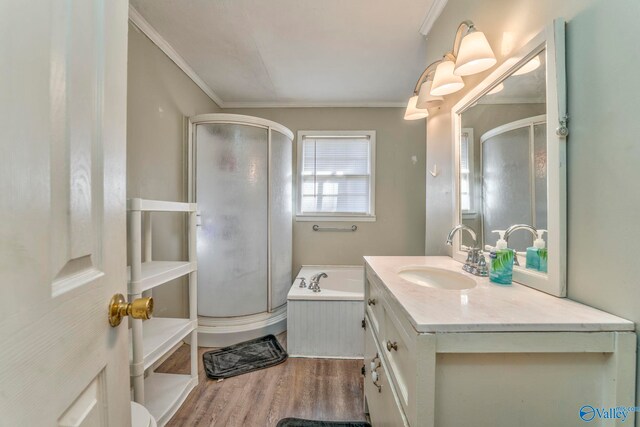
[(414, 113), (426, 99), (444, 80), (471, 54)]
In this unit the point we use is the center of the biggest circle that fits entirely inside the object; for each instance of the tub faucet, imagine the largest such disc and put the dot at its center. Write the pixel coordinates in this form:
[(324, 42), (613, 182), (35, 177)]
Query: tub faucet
[(314, 283), (515, 227)]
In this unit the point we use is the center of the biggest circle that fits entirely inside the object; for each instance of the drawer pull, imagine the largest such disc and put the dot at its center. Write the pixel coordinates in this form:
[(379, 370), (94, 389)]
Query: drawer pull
[(371, 301), (392, 346)]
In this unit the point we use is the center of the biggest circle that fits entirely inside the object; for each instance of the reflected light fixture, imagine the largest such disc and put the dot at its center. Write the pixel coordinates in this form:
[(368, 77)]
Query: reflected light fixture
[(533, 64), (414, 113), (496, 89), (471, 54)]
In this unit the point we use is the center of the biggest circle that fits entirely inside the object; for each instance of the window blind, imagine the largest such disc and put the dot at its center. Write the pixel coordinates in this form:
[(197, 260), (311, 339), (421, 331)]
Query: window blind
[(336, 175)]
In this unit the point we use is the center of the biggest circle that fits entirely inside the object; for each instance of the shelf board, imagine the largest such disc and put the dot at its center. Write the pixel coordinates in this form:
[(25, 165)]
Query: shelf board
[(146, 205), (155, 273), (161, 334), (164, 393)]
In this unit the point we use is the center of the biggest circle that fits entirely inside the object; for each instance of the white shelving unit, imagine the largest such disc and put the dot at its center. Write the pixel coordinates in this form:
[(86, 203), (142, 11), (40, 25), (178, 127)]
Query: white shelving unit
[(161, 394)]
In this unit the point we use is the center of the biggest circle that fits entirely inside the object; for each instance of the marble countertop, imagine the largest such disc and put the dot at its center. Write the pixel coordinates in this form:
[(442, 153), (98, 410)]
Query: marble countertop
[(486, 307)]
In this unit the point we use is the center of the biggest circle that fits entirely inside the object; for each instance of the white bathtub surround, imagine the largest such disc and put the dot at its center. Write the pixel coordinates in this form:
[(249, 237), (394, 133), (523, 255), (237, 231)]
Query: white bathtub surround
[(327, 323)]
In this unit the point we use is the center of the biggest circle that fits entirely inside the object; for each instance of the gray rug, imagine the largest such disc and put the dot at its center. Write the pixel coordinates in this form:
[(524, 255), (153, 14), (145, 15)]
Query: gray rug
[(299, 422), (242, 358)]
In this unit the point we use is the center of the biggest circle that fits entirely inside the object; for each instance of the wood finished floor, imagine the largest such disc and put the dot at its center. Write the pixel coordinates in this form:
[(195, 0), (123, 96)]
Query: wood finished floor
[(321, 389)]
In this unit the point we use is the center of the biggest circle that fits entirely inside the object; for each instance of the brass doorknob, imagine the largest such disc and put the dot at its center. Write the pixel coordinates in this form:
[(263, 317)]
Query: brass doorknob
[(141, 308)]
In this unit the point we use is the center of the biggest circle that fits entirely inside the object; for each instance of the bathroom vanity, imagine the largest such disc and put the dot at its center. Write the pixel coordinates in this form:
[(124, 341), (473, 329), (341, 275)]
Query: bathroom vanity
[(486, 355)]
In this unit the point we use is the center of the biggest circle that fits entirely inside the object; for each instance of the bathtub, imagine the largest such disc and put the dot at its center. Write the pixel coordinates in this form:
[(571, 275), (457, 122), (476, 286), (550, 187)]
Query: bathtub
[(327, 324)]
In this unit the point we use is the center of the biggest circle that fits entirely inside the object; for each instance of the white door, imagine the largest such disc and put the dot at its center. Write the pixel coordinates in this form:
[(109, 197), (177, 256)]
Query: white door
[(62, 212)]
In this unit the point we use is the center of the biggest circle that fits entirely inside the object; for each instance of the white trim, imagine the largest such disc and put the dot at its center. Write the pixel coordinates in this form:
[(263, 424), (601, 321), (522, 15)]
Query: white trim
[(138, 20), (240, 119), (432, 15), (552, 41), (514, 100), (313, 104), (316, 216)]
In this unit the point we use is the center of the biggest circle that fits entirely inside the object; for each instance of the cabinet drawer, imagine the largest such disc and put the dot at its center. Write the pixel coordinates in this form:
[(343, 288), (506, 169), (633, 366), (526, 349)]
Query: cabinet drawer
[(382, 401), (373, 299), (399, 348)]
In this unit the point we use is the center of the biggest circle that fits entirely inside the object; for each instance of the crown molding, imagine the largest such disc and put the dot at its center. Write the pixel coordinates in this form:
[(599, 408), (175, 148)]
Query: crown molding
[(432, 15), (138, 20), (304, 104)]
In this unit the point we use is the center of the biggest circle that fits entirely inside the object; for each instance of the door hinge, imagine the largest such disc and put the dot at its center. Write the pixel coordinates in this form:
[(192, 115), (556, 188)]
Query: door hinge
[(364, 372), (364, 323)]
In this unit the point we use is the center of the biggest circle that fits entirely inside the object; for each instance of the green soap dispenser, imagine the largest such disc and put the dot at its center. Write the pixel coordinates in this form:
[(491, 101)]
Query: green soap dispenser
[(501, 266), (537, 254)]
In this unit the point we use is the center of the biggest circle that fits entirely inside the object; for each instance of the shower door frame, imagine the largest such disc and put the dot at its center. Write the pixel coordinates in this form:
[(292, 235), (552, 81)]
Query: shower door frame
[(241, 323)]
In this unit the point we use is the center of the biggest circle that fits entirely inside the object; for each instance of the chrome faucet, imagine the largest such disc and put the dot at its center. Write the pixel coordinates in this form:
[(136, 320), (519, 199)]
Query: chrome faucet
[(516, 227), (461, 227), (475, 263), (314, 282)]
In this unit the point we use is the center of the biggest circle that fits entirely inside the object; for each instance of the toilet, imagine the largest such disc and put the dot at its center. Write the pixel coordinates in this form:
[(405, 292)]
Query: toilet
[(140, 417)]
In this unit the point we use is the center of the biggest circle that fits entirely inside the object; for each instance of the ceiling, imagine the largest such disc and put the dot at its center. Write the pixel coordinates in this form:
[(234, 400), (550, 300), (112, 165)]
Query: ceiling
[(251, 53)]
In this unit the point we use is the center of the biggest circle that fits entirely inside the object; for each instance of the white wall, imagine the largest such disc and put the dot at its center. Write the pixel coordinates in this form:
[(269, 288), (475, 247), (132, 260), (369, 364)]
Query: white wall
[(603, 152)]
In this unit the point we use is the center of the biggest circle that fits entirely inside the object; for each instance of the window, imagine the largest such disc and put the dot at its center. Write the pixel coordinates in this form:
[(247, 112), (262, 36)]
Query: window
[(466, 171), (336, 175)]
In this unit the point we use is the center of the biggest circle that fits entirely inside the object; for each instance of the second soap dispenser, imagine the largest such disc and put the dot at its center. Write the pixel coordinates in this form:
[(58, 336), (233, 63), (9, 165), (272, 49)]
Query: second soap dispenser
[(537, 254)]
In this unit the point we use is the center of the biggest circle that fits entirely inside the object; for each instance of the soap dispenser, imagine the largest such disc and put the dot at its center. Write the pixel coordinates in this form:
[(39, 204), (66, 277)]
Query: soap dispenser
[(537, 254), (501, 271)]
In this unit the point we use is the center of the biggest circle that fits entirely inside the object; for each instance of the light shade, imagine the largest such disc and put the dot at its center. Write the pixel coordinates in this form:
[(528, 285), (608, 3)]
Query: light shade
[(499, 87), (425, 99), (528, 67), (412, 112), (444, 81), (475, 55)]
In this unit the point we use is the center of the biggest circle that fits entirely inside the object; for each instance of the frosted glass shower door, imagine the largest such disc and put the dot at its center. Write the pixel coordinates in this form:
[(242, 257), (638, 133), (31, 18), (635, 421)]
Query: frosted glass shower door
[(231, 191), (506, 185), (281, 210)]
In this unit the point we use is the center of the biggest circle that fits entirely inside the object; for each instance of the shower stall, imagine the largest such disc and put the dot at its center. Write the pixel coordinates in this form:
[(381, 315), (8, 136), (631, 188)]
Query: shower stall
[(240, 175)]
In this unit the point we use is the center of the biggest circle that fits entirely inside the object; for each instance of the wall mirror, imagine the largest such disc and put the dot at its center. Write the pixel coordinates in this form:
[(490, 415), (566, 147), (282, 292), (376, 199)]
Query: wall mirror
[(509, 138)]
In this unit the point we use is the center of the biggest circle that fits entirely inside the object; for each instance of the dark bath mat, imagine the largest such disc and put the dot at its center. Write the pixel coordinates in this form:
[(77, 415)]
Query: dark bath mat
[(299, 422), (242, 358)]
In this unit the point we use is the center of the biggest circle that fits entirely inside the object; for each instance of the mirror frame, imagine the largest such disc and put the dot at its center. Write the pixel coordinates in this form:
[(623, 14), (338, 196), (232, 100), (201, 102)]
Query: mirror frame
[(552, 41)]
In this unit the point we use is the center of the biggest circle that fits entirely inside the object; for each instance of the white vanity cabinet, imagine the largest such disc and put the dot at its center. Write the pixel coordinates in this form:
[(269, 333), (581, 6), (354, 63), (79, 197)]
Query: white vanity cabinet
[(427, 363)]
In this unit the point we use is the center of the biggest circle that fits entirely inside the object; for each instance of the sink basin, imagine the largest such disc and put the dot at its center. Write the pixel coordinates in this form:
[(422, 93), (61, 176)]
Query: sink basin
[(437, 278)]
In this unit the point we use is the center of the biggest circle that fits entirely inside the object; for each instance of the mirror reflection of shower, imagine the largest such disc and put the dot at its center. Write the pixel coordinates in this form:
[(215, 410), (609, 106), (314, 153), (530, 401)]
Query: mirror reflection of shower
[(514, 179)]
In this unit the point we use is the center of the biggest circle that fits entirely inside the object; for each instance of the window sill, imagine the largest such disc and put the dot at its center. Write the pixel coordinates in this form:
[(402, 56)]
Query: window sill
[(336, 218)]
